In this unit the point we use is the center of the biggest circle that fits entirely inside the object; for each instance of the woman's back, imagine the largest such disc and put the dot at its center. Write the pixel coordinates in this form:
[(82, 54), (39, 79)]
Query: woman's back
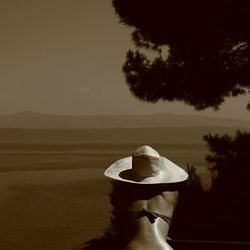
[(145, 213)]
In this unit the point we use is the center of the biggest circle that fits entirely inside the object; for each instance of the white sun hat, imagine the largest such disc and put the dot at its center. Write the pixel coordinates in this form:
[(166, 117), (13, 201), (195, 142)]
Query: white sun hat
[(146, 166)]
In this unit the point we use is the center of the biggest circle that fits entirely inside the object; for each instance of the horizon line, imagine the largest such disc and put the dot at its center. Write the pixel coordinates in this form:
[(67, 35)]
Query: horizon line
[(127, 114)]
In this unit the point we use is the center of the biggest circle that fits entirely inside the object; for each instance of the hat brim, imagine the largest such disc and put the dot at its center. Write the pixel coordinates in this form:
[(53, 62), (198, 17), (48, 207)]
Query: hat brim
[(169, 172)]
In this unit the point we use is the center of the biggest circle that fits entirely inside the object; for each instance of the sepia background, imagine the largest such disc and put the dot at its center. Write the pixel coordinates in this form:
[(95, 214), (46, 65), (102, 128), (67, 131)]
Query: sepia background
[(66, 114)]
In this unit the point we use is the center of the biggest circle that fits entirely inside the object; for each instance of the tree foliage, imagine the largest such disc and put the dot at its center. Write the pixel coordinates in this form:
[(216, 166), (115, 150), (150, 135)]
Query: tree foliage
[(230, 158), (208, 57)]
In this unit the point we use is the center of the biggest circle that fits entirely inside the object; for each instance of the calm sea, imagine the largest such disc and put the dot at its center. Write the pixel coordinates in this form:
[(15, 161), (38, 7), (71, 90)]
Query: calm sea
[(53, 194)]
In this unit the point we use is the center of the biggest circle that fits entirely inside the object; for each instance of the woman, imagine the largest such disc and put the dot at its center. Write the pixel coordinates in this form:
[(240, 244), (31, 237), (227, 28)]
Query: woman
[(146, 193)]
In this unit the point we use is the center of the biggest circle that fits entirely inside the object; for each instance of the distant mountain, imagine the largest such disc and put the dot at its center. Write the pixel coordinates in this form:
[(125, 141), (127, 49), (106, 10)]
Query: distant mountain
[(47, 121)]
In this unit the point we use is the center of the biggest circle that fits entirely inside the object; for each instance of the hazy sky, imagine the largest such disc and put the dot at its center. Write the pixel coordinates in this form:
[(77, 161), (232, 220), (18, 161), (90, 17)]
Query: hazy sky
[(65, 57)]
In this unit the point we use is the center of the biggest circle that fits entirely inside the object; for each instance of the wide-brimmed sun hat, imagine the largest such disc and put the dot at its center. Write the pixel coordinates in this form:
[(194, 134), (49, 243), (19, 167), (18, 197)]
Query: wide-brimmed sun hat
[(146, 166)]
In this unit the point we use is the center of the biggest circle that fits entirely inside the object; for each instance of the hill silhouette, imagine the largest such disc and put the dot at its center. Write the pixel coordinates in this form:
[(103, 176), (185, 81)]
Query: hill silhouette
[(42, 120)]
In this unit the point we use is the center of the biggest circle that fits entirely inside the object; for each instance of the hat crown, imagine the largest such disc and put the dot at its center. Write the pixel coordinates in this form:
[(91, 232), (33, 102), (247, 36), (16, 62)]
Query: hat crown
[(145, 162), (146, 151)]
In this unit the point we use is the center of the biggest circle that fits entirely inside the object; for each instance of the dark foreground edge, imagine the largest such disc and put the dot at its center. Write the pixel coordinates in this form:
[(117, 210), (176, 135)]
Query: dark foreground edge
[(208, 245)]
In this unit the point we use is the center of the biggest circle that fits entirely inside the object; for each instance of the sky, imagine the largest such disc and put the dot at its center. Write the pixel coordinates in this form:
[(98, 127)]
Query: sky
[(66, 57)]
